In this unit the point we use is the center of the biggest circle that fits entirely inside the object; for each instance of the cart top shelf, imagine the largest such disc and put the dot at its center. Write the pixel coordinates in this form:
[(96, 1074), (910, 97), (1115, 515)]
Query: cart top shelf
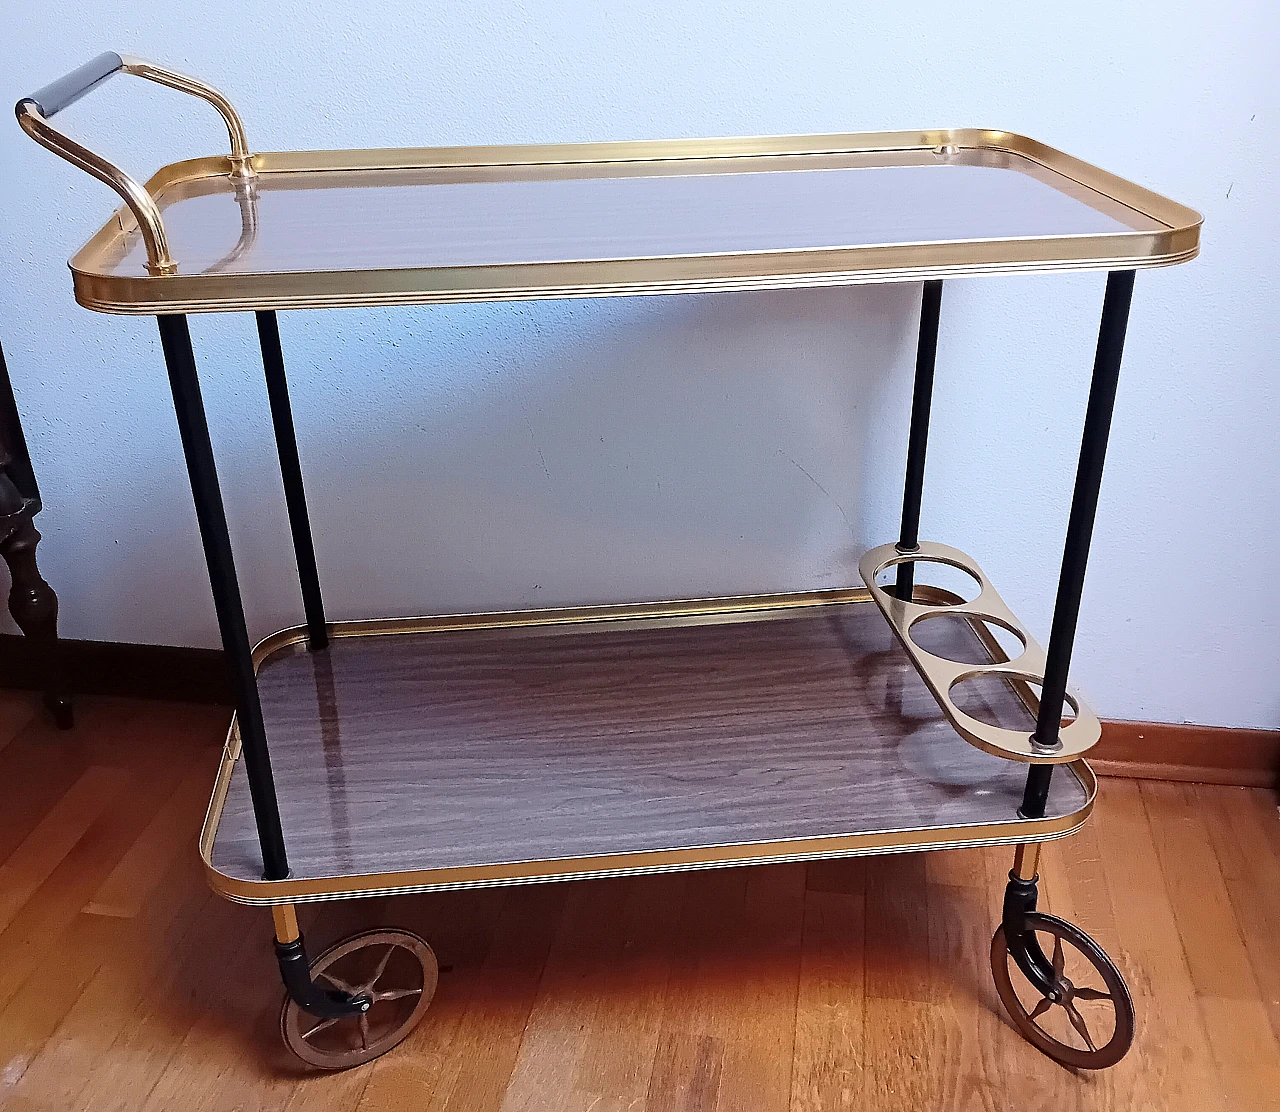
[(347, 228)]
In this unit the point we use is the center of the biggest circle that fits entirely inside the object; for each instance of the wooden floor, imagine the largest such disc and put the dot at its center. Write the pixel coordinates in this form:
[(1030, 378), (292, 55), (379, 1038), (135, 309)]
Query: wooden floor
[(125, 985)]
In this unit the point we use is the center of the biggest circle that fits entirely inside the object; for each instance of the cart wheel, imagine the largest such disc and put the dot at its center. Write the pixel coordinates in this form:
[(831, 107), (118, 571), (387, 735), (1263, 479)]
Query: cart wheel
[(1093, 1038), (396, 968)]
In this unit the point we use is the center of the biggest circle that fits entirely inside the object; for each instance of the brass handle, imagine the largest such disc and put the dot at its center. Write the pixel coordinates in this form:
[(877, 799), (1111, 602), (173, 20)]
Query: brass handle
[(35, 111)]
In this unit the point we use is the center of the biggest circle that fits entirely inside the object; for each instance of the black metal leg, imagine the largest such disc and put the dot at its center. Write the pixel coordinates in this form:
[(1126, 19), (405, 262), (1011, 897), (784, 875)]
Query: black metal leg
[(291, 472), (921, 400), (1084, 508), (189, 406), (1036, 795)]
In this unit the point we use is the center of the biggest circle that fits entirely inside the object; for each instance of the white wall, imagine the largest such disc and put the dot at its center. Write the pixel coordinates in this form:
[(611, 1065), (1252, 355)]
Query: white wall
[(490, 457)]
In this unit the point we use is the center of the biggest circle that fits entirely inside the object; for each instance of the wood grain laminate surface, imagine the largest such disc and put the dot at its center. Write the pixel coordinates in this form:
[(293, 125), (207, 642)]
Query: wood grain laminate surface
[(825, 987), (343, 220), (456, 749)]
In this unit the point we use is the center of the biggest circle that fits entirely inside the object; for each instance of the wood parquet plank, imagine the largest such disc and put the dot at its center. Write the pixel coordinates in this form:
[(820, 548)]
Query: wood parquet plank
[(1226, 990), (1241, 823), (1172, 1059), (17, 708), (828, 1063)]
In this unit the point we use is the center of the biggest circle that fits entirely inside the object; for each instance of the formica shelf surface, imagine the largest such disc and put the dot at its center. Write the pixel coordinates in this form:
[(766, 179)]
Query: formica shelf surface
[(489, 755), (486, 223)]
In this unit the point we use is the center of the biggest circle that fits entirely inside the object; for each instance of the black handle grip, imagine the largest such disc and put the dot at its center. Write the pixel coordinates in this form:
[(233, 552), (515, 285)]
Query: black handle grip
[(60, 94)]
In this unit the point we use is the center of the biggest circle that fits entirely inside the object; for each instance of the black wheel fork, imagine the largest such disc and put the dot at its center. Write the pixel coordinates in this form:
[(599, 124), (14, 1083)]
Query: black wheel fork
[(325, 1003), (295, 971), (1019, 900)]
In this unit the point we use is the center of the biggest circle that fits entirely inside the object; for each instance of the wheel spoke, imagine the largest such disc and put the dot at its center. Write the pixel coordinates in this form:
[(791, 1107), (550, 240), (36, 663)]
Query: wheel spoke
[(339, 983), (377, 973), (364, 1031), (396, 994), (1092, 994), (1040, 1008), (1059, 959), (323, 1025), (1077, 1021)]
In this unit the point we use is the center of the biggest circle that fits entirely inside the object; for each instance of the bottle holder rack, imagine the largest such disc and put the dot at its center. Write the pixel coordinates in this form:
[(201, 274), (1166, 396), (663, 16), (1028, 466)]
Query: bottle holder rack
[(943, 676)]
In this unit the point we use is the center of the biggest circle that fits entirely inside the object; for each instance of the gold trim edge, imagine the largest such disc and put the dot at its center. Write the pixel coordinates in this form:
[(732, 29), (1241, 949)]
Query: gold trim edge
[(94, 292), (1017, 832), (1178, 242), (268, 893)]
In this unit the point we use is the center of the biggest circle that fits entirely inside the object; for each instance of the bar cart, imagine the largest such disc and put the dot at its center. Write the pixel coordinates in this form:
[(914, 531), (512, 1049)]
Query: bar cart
[(407, 755)]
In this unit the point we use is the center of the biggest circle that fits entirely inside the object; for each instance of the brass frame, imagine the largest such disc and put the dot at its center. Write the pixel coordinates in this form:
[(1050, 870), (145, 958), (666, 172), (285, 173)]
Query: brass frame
[(271, 893), (285, 919), (1026, 862), (1174, 235), (141, 202), (941, 675)]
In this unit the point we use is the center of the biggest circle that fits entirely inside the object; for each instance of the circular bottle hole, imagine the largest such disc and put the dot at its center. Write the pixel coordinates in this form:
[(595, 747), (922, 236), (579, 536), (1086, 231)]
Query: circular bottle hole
[(967, 639), (995, 699), (943, 584)]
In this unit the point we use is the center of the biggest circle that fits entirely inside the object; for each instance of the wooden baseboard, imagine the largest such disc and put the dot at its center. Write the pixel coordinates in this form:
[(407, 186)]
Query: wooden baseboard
[(1200, 754), (165, 672), (1142, 750)]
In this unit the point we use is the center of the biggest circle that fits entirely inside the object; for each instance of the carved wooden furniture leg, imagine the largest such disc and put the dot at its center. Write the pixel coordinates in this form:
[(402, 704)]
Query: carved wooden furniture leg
[(32, 602)]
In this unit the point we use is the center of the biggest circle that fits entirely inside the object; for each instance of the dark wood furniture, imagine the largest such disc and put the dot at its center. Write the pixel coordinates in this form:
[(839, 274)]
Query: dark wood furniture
[(32, 602)]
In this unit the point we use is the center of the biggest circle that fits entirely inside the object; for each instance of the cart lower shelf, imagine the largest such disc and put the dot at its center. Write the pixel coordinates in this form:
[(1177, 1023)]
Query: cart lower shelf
[(493, 749)]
